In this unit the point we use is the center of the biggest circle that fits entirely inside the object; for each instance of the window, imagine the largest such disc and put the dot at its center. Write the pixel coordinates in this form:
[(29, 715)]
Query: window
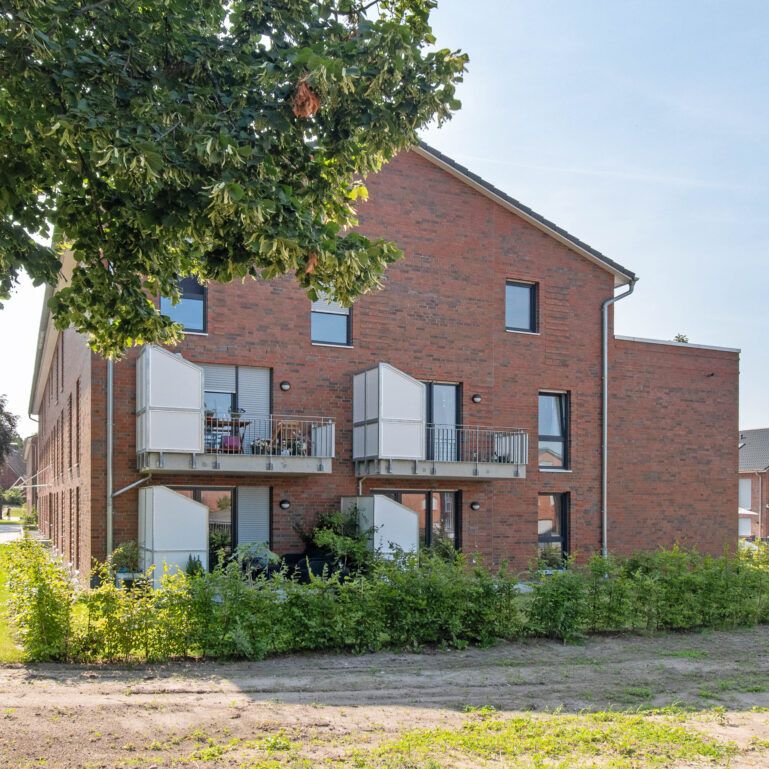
[(438, 514), (521, 306), (553, 430), (330, 323), (553, 528), (77, 422), (746, 493), (190, 312)]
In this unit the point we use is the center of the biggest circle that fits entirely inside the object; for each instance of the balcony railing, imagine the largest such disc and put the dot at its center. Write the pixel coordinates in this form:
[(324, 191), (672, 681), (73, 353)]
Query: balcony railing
[(460, 443), (271, 436)]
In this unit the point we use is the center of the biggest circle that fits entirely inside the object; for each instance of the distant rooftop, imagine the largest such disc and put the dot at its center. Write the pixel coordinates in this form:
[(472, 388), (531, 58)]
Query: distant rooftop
[(754, 454)]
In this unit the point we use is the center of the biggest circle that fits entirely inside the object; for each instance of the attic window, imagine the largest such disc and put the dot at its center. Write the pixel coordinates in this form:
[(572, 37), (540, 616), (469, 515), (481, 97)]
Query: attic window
[(190, 311)]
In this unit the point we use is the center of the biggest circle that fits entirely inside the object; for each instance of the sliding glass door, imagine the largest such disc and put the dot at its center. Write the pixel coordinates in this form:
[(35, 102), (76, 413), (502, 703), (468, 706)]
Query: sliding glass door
[(442, 421)]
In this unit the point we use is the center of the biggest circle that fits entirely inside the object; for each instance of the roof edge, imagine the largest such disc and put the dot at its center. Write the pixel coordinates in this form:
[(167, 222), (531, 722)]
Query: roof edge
[(622, 275), (672, 343)]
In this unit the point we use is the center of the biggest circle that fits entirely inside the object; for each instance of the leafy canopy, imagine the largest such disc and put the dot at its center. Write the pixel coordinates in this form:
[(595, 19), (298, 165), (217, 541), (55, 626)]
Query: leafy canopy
[(9, 438), (214, 138)]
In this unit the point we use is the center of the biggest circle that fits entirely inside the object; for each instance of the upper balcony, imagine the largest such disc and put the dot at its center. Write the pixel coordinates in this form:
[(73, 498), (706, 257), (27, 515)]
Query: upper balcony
[(175, 434), (392, 437)]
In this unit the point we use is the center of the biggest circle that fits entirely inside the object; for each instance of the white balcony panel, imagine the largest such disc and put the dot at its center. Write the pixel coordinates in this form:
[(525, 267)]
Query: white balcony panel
[(401, 440), (372, 406), (172, 528), (390, 422), (324, 440), (372, 439), (391, 525), (359, 398), (401, 397), (169, 402), (172, 431)]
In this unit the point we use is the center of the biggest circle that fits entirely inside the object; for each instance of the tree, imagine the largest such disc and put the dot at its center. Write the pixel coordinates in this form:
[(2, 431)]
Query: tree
[(9, 438), (680, 338), (212, 138)]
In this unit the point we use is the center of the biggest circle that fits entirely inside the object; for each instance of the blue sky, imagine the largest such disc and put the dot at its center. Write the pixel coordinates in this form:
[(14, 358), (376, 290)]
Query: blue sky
[(641, 127)]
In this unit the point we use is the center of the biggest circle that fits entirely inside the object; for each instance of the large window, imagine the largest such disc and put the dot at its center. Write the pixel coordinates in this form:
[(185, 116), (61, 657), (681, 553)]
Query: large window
[(553, 528), (330, 323), (746, 493), (190, 311), (521, 306), (438, 513), (554, 430)]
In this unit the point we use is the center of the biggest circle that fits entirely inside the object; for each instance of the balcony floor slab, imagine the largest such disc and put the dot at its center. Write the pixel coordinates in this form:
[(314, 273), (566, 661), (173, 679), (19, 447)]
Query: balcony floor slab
[(231, 464), (427, 468)]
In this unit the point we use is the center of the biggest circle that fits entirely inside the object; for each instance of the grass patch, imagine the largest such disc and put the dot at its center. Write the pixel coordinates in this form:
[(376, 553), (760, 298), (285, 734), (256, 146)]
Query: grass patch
[(9, 652), (690, 654), (606, 739)]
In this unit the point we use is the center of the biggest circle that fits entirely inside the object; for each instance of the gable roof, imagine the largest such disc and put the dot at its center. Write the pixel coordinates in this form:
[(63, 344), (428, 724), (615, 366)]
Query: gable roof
[(754, 455), (622, 275)]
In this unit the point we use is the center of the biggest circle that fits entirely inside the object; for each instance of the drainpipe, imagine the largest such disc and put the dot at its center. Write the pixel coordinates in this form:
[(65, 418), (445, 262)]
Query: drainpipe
[(605, 413), (110, 387)]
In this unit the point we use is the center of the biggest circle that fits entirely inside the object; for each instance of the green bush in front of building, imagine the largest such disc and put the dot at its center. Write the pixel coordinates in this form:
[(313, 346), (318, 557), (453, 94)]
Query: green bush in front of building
[(413, 601)]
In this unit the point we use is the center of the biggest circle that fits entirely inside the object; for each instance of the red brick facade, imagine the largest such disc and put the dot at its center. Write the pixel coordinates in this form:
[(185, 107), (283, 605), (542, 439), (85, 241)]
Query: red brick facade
[(672, 454), (441, 317)]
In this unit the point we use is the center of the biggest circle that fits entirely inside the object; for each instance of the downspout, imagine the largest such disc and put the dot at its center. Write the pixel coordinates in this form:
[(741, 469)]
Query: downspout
[(605, 413), (110, 388)]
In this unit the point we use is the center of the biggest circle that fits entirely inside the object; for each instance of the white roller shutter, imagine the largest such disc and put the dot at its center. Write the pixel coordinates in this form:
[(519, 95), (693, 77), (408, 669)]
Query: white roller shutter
[(254, 390), (253, 514), (219, 379)]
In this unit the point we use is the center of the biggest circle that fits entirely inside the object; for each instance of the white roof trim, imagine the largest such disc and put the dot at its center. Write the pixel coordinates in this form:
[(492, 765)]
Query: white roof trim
[(677, 344)]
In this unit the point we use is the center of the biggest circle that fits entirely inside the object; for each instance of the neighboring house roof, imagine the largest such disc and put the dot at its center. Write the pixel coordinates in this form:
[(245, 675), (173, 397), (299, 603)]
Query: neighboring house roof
[(621, 274), (12, 469), (754, 449)]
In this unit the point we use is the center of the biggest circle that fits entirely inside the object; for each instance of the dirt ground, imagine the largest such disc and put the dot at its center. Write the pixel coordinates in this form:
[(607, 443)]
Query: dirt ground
[(216, 714)]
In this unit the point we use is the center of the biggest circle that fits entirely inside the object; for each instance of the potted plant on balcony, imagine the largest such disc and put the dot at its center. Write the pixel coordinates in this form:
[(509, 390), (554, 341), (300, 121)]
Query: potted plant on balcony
[(124, 563), (261, 446)]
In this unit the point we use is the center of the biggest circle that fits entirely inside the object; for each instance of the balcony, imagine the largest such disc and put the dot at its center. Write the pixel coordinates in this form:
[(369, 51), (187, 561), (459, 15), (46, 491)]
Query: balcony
[(392, 438), (175, 435)]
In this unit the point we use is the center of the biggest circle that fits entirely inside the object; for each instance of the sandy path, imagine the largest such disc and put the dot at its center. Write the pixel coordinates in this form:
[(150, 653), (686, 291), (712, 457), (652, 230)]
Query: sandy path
[(76, 716)]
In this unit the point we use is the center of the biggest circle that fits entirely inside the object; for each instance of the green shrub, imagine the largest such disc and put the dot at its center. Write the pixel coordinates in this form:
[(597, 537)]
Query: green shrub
[(125, 558), (411, 601), (559, 605), (41, 600)]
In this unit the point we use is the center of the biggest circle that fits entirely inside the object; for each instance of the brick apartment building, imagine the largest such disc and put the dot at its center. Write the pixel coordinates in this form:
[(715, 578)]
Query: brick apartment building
[(467, 391), (754, 482)]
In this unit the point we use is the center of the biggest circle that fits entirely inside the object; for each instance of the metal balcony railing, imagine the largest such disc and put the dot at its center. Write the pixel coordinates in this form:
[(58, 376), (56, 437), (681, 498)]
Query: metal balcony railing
[(460, 443), (273, 435)]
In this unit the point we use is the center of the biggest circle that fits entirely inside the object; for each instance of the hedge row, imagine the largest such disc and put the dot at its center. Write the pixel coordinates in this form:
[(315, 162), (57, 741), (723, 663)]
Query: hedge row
[(412, 602)]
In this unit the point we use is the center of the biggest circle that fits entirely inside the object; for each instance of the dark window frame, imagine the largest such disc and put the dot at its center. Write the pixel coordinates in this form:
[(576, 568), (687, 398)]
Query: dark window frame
[(347, 315), (564, 513), (533, 306), (430, 422), (201, 297), (563, 439)]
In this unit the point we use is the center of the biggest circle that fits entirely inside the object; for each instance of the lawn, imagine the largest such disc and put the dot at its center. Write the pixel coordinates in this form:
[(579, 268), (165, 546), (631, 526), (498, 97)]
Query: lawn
[(9, 652)]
